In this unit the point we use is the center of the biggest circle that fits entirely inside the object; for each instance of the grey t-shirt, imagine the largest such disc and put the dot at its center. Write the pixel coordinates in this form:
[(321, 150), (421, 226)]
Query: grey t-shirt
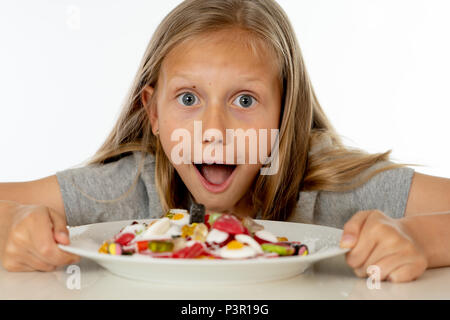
[(386, 191)]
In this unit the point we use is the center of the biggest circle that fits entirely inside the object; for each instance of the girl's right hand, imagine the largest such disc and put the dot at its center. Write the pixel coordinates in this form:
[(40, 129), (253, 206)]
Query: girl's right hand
[(29, 235)]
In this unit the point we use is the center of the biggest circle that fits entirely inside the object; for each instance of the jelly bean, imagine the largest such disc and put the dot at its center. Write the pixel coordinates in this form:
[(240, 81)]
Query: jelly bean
[(200, 232), (277, 248), (125, 238), (280, 239), (197, 213), (115, 249), (229, 223)]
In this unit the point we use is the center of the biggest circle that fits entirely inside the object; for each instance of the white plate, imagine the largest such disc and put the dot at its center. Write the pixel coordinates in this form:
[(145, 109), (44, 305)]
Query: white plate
[(323, 242)]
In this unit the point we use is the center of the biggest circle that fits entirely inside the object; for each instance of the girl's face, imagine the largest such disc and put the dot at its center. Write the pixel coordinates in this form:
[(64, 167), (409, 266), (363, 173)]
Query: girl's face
[(218, 83)]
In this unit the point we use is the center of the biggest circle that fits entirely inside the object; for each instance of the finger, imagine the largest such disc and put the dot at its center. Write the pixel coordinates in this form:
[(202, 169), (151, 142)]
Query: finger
[(385, 265), (407, 272), (35, 263), (44, 245), (382, 250), (16, 266), (353, 228), (60, 231), (364, 248)]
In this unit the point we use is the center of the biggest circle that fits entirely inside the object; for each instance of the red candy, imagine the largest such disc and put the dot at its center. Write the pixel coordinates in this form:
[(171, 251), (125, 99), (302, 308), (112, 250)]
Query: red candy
[(230, 224), (207, 221), (125, 238), (190, 252)]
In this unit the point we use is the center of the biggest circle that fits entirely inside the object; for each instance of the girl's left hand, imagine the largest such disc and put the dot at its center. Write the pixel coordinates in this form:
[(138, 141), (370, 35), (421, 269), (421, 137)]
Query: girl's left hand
[(376, 239)]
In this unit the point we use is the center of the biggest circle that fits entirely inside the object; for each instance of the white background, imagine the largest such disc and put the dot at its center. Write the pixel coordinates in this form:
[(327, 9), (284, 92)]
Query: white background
[(380, 69)]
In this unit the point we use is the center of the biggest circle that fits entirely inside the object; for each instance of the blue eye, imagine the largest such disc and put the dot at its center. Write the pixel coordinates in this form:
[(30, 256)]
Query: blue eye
[(246, 101), (187, 99)]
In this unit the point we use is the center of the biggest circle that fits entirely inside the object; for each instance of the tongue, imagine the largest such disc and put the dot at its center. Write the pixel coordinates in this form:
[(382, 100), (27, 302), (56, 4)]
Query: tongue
[(216, 173)]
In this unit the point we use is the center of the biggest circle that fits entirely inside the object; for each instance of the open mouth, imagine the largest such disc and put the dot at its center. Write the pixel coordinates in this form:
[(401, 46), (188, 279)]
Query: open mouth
[(215, 177)]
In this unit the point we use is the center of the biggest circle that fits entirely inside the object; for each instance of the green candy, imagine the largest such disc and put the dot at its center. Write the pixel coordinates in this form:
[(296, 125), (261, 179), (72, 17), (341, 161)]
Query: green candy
[(213, 217), (160, 246), (281, 250)]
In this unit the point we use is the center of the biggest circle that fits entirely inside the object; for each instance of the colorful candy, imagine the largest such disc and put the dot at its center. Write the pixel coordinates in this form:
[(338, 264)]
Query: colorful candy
[(236, 250), (190, 252), (197, 213), (264, 236), (195, 235), (200, 232), (125, 238), (228, 223), (282, 250)]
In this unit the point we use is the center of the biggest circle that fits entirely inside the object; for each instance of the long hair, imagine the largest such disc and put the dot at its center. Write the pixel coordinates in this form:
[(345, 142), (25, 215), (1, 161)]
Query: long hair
[(303, 124)]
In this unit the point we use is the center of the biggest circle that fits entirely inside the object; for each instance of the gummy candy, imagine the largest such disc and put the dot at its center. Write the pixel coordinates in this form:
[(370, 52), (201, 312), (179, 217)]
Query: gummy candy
[(229, 223), (188, 230), (190, 252), (251, 225), (125, 238), (160, 246), (264, 236), (115, 249), (282, 250), (103, 248), (200, 232), (197, 213), (213, 217), (217, 236)]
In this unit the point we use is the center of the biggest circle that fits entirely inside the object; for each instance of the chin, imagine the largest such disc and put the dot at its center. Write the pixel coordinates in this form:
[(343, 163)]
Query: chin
[(217, 203)]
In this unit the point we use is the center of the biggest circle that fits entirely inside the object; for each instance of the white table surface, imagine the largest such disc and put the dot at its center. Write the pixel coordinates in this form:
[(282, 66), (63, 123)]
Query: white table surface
[(327, 279)]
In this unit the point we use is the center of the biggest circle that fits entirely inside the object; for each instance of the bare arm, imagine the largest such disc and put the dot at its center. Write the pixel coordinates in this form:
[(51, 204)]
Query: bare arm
[(428, 194), (427, 216), (43, 191)]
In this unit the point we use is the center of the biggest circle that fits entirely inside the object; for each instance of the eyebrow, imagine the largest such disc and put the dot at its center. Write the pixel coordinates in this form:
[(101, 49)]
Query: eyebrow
[(188, 76)]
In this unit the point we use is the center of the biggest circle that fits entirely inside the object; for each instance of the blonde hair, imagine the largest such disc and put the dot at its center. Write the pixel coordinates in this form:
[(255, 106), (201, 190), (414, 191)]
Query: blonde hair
[(303, 125)]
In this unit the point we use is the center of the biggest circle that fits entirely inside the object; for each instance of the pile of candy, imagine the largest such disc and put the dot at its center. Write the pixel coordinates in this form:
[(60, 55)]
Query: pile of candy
[(194, 235)]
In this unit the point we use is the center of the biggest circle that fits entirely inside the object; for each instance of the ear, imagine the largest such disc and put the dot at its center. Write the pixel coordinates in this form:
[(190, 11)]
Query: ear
[(151, 111)]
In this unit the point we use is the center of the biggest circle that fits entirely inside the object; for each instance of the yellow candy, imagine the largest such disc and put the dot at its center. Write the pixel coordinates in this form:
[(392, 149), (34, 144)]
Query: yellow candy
[(188, 230), (103, 248), (234, 245), (200, 232), (114, 249), (178, 216), (281, 239)]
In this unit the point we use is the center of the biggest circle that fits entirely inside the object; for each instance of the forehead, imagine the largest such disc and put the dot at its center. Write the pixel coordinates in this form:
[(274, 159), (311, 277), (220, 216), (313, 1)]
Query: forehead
[(223, 52)]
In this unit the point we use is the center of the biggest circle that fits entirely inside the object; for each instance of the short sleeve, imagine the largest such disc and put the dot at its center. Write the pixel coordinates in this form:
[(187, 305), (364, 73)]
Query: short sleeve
[(87, 191), (386, 191)]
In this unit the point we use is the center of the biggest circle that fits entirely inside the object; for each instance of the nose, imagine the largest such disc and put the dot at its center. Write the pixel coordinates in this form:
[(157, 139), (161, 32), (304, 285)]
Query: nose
[(214, 123)]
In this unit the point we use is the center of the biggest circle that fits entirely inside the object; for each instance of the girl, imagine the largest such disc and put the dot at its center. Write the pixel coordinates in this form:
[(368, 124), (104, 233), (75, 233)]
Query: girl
[(232, 65)]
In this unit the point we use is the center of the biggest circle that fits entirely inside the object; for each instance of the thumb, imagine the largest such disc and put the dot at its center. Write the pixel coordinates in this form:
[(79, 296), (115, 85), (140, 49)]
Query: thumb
[(352, 229), (60, 232)]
